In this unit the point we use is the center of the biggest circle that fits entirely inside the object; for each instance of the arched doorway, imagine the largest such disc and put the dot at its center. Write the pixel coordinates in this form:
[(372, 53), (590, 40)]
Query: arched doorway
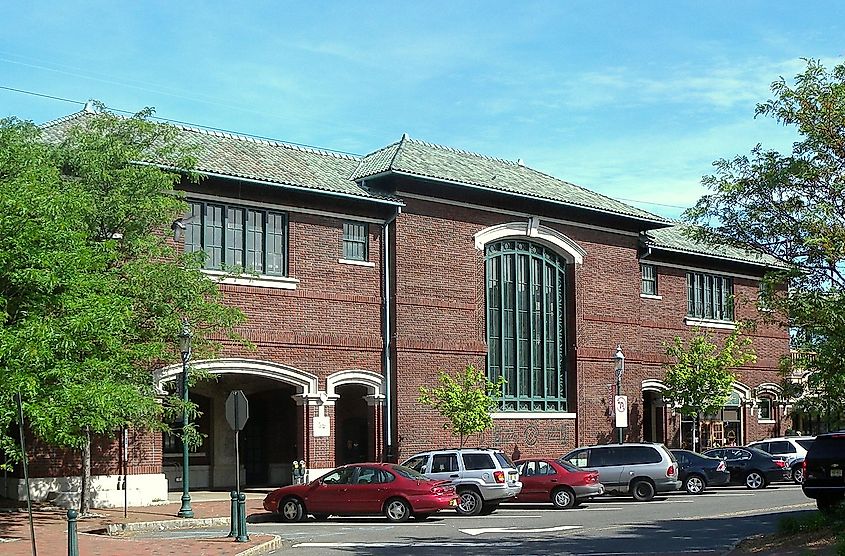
[(354, 425), (273, 435), (654, 417)]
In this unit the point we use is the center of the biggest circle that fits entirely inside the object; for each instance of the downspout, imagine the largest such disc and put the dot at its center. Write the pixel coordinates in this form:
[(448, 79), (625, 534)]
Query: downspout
[(387, 317)]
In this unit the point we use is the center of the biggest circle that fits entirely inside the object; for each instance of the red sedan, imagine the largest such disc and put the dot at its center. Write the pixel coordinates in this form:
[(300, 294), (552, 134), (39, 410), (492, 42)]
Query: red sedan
[(364, 489), (560, 482)]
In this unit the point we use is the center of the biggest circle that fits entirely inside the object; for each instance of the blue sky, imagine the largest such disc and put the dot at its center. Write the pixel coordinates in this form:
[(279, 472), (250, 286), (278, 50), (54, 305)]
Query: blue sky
[(631, 99)]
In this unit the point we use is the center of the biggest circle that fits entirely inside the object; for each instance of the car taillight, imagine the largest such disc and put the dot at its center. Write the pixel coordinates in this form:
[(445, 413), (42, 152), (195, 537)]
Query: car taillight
[(499, 476), (804, 468), (671, 471), (721, 466), (440, 490), (780, 463), (594, 478)]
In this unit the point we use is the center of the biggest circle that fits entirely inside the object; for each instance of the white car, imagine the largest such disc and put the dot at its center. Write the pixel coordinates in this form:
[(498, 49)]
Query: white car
[(791, 448)]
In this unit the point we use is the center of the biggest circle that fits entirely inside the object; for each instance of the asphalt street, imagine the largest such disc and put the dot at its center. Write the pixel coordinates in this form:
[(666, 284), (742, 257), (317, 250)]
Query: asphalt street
[(677, 523)]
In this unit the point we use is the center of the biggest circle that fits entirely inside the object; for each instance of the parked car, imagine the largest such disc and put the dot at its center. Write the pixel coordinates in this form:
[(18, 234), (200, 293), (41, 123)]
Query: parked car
[(641, 469), (824, 467), (364, 488), (792, 448), (697, 472), (752, 467), (482, 477), (546, 479)]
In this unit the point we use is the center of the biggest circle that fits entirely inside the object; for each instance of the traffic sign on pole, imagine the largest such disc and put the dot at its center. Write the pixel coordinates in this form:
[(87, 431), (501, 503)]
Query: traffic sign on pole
[(620, 405), (237, 410)]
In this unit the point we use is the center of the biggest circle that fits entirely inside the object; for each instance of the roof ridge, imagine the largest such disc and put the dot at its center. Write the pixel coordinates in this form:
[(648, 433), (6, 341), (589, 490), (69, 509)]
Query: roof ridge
[(465, 152)]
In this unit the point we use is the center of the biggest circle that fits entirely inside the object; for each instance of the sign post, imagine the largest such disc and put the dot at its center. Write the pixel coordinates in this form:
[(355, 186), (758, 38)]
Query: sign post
[(237, 413)]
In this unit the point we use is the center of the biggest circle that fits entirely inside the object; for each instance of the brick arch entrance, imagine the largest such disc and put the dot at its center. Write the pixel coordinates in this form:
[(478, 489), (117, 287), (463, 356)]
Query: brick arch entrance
[(272, 438)]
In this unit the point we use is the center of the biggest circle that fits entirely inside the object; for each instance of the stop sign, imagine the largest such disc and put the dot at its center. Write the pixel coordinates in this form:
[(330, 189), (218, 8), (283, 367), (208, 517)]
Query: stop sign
[(237, 410)]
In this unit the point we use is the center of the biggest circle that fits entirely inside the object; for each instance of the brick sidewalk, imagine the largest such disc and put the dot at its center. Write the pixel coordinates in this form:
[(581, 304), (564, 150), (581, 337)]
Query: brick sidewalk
[(51, 532)]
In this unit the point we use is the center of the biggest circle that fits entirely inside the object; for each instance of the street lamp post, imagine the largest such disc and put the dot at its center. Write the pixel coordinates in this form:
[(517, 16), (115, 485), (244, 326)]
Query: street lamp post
[(620, 370), (185, 349)]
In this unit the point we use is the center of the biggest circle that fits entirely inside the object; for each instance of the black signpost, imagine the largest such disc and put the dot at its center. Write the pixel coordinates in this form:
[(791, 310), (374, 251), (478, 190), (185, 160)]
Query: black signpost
[(237, 413)]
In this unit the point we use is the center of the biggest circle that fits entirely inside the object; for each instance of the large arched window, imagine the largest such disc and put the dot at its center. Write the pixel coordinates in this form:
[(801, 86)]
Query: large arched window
[(526, 324)]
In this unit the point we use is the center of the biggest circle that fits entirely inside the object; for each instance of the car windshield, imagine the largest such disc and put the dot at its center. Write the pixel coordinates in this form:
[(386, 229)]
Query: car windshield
[(504, 460), (408, 473), (568, 466), (805, 443)]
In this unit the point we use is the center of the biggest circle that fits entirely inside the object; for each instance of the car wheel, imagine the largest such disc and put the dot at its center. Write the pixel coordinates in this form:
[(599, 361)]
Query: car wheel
[(694, 484), (755, 480), (321, 517), (563, 498), (828, 504), (397, 510), (422, 517), (291, 510), (643, 491), (470, 503), (798, 474)]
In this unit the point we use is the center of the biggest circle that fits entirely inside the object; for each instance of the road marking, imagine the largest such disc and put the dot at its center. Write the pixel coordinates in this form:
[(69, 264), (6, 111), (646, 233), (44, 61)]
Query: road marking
[(401, 544), (491, 516), (475, 532)]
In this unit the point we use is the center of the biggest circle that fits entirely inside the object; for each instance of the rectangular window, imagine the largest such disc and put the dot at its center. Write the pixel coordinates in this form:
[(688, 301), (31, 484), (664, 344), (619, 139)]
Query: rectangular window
[(649, 276), (355, 241), (237, 238), (709, 296), (765, 407)]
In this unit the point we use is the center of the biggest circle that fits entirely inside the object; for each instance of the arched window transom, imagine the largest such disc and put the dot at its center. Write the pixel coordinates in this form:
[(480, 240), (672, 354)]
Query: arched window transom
[(526, 324)]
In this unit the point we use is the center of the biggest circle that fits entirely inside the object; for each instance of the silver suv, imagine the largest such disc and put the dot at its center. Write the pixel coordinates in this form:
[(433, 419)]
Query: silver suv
[(482, 477), (641, 469), (792, 448)]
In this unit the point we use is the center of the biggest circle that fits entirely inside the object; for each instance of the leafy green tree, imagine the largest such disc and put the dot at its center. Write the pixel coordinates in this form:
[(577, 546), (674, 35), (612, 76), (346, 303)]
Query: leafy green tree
[(792, 207), (465, 400), (699, 378), (92, 293)]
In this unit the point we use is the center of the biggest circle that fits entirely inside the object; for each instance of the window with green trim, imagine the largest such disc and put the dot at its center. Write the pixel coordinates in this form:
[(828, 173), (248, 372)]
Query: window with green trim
[(526, 325), (710, 296), (235, 237), (355, 244)]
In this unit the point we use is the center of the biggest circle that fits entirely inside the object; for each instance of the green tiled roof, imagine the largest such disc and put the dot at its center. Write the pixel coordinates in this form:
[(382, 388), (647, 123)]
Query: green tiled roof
[(674, 239), (414, 157), (271, 162)]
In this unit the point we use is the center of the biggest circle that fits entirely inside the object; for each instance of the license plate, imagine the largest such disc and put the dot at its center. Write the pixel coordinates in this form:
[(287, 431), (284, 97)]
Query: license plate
[(835, 472)]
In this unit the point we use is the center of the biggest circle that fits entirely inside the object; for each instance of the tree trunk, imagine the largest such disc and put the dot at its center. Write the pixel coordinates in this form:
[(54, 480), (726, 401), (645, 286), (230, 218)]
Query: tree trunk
[(84, 501), (696, 434)]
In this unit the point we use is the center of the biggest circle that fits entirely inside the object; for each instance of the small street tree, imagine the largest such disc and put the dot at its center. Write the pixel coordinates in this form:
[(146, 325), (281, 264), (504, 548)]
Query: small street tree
[(699, 379), (465, 400), (92, 294)]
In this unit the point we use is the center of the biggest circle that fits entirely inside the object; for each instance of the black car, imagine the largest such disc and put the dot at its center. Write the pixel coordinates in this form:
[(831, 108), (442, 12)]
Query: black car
[(752, 467), (697, 472), (824, 467)]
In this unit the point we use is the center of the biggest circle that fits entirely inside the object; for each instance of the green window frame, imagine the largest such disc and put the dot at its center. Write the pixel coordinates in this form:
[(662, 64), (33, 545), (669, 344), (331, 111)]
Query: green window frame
[(526, 325), (649, 279), (235, 237), (710, 296), (355, 241)]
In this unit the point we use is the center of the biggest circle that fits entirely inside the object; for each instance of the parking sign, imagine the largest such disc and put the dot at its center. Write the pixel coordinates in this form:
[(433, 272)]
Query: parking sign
[(620, 406)]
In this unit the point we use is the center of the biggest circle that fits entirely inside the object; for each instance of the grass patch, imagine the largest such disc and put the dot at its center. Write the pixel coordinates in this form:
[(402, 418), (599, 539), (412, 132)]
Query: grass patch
[(818, 521)]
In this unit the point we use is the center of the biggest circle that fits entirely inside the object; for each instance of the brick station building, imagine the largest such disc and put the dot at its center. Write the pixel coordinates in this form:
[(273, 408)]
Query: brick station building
[(374, 273)]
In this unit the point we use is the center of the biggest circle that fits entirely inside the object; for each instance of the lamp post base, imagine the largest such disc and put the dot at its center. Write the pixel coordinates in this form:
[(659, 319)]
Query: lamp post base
[(186, 511)]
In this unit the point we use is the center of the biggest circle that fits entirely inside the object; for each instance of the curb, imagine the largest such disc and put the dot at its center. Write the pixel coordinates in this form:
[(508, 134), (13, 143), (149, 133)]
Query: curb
[(116, 529), (272, 544), (166, 525)]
